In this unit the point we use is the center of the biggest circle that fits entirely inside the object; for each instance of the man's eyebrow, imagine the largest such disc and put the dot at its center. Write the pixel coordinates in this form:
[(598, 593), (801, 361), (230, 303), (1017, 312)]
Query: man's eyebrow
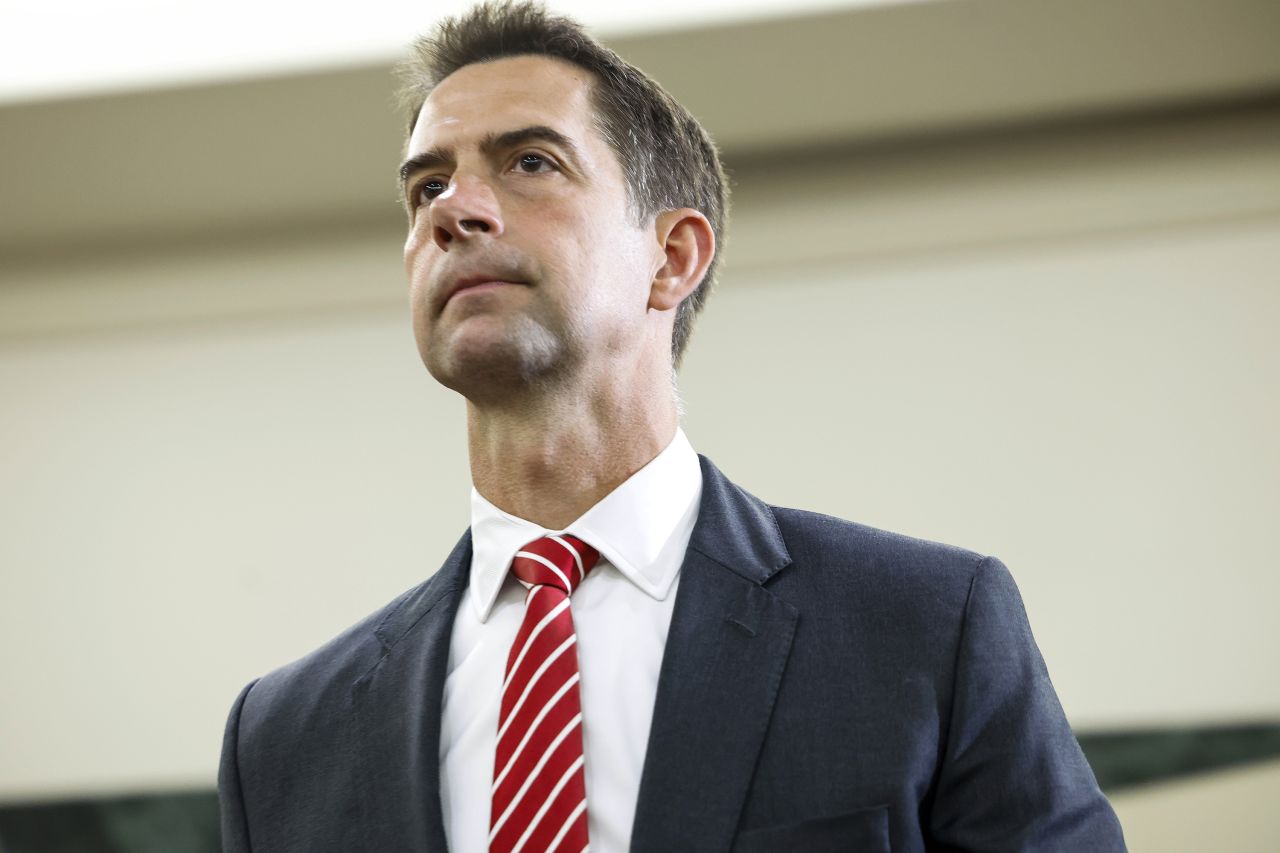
[(492, 143), (427, 160), (537, 133)]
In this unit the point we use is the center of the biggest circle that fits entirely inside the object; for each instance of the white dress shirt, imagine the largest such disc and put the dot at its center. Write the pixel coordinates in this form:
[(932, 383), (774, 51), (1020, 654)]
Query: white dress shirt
[(621, 613)]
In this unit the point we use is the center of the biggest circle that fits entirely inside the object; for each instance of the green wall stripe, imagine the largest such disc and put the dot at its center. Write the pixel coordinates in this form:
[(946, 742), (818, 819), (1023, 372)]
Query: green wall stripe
[(187, 822)]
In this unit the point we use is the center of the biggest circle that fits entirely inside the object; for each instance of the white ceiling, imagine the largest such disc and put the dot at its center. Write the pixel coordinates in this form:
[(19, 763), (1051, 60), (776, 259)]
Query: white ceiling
[(77, 47)]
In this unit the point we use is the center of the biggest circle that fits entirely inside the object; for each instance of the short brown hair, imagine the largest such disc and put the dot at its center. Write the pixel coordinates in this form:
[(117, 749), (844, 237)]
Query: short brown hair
[(667, 158)]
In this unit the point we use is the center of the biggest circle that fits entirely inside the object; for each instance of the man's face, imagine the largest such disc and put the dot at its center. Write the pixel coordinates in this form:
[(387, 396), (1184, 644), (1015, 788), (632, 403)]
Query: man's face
[(525, 263)]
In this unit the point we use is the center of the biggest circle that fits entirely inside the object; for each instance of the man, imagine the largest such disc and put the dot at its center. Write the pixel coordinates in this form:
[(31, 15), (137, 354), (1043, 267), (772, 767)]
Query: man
[(626, 650)]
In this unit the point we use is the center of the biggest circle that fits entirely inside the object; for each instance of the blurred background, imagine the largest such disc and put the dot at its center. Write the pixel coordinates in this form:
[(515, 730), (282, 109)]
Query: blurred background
[(1000, 274)]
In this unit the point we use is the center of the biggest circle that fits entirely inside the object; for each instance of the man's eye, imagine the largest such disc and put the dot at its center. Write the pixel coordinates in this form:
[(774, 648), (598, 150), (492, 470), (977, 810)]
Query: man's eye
[(429, 189), (533, 164)]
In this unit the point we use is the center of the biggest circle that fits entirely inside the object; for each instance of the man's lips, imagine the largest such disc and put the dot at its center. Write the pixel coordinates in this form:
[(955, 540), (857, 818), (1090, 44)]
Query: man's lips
[(482, 286), (474, 285)]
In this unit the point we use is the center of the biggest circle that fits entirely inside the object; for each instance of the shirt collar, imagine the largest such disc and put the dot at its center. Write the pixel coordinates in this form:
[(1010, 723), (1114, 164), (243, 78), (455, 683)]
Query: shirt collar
[(638, 527)]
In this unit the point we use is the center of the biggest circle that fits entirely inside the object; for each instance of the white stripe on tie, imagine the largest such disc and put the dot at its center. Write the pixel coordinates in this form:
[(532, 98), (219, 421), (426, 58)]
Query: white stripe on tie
[(533, 635), (551, 798), (577, 558), (568, 823), (546, 709), (529, 555), (533, 774), (533, 679)]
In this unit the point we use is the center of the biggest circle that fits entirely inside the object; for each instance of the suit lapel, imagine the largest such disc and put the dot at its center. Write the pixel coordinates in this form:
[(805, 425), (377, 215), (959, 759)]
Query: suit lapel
[(725, 654), (396, 709)]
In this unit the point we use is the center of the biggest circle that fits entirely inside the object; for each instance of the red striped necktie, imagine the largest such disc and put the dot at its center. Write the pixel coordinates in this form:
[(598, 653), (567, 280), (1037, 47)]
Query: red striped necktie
[(539, 789)]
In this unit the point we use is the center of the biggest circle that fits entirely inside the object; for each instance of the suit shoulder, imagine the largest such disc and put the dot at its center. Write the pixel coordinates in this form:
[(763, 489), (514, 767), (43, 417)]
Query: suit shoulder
[(873, 557), (906, 598), (805, 528)]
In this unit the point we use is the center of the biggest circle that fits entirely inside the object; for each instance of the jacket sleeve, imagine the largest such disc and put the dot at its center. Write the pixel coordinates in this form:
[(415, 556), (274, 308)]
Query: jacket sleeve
[(1012, 776), (235, 824)]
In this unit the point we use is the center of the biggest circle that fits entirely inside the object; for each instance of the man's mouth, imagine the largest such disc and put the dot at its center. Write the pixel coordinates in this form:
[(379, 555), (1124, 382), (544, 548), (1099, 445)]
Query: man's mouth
[(482, 286), (475, 285)]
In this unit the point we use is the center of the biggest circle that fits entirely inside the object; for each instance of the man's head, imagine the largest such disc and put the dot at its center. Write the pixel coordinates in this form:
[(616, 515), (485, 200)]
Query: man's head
[(511, 80)]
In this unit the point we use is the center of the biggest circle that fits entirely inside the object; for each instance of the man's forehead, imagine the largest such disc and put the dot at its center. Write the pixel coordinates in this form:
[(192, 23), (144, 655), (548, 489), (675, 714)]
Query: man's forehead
[(494, 96)]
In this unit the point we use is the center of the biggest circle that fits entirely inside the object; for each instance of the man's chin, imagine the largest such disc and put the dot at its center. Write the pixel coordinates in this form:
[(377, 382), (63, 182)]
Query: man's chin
[(487, 367)]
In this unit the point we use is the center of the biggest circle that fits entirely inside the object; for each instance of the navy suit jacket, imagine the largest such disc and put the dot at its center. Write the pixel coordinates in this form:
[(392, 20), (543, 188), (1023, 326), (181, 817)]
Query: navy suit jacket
[(825, 686)]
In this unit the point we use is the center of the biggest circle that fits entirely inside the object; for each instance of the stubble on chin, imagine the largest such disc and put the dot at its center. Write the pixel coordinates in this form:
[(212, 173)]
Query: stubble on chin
[(491, 366)]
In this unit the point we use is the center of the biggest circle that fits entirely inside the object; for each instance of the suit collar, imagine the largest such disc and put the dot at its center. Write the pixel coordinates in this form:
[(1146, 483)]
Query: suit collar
[(396, 709), (726, 651), (737, 529)]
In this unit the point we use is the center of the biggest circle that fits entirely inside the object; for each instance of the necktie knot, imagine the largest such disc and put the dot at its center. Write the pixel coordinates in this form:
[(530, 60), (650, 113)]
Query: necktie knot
[(557, 561)]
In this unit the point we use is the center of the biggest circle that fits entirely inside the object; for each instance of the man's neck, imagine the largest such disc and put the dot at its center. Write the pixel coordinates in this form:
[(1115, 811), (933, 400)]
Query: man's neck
[(550, 463)]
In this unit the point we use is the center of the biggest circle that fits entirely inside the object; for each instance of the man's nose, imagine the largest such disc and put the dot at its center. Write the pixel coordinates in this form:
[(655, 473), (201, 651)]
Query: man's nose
[(464, 211)]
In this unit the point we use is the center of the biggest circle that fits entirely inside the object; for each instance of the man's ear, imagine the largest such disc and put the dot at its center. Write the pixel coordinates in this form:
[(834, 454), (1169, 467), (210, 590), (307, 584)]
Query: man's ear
[(688, 244)]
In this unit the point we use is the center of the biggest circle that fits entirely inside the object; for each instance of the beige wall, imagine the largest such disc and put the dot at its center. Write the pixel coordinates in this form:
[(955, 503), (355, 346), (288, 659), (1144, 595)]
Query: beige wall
[(216, 456), (1228, 810)]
